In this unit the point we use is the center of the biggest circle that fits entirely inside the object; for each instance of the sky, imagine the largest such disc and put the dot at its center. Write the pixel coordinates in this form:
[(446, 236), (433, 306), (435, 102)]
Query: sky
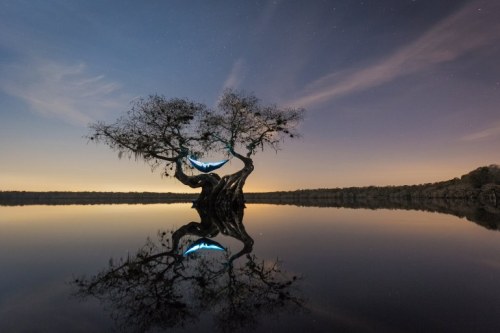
[(396, 91)]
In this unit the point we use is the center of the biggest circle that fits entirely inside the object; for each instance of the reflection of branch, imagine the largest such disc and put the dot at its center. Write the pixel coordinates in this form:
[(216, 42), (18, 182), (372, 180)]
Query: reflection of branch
[(255, 287), (161, 290), (142, 289)]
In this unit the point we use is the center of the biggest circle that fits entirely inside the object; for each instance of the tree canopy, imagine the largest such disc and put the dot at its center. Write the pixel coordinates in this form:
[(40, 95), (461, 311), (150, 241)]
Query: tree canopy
[(161, 130)]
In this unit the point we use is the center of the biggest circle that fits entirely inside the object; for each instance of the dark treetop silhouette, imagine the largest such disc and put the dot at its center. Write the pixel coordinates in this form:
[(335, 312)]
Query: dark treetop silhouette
[(164, 132), (159, 288)]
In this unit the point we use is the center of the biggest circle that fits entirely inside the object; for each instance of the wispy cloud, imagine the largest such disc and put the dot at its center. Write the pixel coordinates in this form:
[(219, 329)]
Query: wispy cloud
[(236, 75), (67, 92), (464, 31), (239, 69), (485, 134)]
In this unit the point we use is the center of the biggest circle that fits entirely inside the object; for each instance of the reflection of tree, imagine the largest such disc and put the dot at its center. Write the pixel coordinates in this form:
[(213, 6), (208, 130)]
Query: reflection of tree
[(160, 288), (215, 220), (487, 216)]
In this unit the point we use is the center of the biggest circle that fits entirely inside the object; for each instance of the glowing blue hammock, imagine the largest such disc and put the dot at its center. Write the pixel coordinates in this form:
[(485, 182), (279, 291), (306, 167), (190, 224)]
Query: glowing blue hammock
[(203, 243), (206, 167)]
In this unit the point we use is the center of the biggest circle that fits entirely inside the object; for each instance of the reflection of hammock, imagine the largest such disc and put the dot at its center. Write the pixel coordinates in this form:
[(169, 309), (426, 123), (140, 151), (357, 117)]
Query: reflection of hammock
[(206, 167), (203, 243)]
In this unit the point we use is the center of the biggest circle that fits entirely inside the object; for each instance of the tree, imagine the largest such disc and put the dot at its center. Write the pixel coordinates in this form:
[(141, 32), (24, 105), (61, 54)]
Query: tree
[(163, 132)]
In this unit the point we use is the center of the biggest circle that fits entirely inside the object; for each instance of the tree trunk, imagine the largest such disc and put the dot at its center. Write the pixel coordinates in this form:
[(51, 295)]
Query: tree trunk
[(226, 191), (217, 219)]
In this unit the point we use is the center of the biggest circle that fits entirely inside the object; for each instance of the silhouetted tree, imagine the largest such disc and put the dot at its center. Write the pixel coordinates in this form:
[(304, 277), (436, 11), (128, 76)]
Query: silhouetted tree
[(163, 132)]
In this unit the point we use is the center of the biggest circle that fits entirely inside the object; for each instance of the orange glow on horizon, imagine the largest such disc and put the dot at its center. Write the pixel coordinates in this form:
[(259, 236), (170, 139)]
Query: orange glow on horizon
[(130, 177)]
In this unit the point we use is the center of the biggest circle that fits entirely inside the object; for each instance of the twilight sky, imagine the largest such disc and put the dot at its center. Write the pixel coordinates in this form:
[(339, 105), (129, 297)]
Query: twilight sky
[(396, 91)]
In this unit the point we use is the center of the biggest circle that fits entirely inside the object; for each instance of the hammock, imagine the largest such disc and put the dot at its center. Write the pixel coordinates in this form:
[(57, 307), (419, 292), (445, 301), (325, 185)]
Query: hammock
[(206, 167), (203, 243)]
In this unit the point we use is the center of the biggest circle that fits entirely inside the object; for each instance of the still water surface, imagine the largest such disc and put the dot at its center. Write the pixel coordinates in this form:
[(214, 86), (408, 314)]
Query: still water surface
[(359, 270)]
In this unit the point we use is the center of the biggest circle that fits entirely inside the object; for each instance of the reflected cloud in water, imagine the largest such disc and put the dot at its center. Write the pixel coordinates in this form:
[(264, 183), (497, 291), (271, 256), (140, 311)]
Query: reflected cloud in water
[(160, 288)]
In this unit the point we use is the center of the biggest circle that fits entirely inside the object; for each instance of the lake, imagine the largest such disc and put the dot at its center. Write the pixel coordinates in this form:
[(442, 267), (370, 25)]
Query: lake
[(314, 269)]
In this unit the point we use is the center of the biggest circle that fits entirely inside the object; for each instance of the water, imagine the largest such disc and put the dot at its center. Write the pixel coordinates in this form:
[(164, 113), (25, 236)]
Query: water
[(359, 270)]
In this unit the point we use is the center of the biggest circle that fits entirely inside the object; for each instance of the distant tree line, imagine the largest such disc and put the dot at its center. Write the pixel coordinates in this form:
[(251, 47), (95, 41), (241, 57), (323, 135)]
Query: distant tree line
[(480, 186), (475, 196), (89, 198)]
